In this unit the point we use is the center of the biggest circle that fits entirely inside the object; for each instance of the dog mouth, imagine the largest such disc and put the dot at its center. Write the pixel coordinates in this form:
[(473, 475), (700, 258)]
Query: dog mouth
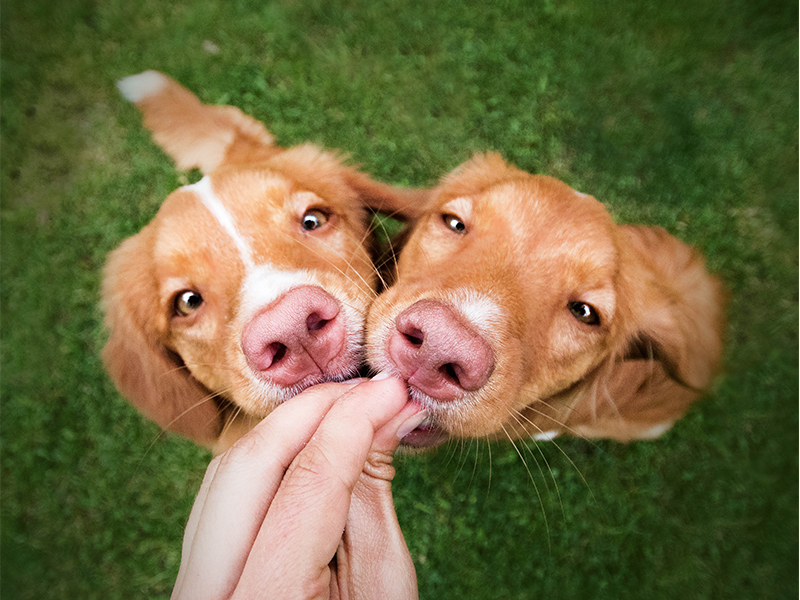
[(268, 395), (426, 435)]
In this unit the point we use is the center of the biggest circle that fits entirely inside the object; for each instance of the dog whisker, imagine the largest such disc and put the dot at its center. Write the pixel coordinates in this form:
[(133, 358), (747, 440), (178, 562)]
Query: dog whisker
[(461, 458), (362, 242), (366, 289), (489, 449), (210, 365), (516, 417), (556, 421), (560, 449), (533, 481), (523, 440), (390, 243), (475, 441), (165, 430), (230, 420)]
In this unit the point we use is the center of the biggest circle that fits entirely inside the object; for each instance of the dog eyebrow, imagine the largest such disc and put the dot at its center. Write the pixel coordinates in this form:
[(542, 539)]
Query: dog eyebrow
[(210, 200)]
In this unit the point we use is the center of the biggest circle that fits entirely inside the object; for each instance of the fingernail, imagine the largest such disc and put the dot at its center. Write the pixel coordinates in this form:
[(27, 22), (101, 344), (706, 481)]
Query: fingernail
[(411, 423), (381, 376)]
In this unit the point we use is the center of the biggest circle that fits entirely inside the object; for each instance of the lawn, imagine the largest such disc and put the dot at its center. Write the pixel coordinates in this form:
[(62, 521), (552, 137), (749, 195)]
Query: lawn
[(678, 113)]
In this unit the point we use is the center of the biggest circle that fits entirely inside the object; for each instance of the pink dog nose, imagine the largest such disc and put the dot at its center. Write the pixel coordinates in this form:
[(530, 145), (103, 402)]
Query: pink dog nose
[(437, 353), (295, 336)]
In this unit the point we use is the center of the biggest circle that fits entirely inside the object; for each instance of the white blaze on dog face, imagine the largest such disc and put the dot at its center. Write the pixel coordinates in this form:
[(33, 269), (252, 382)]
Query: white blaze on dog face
[(239, 240), (205, 192), (531, 267)]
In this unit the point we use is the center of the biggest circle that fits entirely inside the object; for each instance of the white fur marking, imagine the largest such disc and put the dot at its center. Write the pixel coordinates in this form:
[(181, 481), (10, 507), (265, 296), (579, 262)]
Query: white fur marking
[(265, 284), (143, 85), (657, 431), (480, 310), (209, 199), (545, 436)]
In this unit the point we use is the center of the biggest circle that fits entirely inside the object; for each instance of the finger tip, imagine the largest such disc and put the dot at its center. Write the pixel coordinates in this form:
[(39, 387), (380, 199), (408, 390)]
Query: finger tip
[(387, 381), (388, 437), (411, 422)]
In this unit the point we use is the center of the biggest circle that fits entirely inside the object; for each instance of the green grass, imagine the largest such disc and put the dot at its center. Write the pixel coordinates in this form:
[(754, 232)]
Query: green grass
[(673, 112)]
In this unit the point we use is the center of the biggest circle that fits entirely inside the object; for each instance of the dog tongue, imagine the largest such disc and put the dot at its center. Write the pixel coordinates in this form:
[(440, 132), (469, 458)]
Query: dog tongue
[(425, 436)]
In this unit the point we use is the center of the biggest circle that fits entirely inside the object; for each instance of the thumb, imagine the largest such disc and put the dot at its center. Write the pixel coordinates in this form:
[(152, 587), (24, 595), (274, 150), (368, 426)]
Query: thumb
[(373, 559), (387, 438)]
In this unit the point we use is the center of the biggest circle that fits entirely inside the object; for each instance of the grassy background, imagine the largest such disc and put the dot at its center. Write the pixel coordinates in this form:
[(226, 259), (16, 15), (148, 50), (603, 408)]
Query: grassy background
[(674, 112)]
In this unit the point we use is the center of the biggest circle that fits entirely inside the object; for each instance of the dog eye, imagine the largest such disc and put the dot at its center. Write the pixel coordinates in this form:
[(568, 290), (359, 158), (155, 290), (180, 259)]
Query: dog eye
[(314, 219), (187, 302), (585, 313), (454, 223)]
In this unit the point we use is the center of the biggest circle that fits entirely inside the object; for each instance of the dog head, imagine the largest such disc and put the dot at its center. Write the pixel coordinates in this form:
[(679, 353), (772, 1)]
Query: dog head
[(520, 308), (247, 286)]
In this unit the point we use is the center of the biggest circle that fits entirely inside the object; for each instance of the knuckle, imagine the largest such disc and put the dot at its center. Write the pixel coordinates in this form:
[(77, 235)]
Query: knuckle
[(245, 449), (315, 469), (379, 466)]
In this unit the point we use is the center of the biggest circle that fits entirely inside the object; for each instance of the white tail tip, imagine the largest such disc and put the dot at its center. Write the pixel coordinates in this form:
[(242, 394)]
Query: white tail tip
[(657, 431), (143, 85)]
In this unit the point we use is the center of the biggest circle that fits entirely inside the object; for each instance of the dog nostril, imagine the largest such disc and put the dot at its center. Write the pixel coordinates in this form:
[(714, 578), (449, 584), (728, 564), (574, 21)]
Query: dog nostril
[(315, 322), (278, 352), (415, 337), (449, 371)]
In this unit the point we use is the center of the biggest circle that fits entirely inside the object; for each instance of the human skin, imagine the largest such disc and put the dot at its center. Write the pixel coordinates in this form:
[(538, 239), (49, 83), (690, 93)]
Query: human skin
[(301, 507)]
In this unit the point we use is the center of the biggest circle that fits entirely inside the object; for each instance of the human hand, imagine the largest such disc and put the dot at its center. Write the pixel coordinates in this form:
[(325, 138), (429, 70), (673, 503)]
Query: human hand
[(311, 482)]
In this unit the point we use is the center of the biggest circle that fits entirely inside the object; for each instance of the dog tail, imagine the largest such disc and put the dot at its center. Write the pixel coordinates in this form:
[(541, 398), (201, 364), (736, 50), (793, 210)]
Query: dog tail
[(194, 134)]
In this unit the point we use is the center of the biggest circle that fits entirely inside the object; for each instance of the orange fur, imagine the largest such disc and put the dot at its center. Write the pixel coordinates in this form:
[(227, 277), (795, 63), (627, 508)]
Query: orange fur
[(188, 373), (532, 246)]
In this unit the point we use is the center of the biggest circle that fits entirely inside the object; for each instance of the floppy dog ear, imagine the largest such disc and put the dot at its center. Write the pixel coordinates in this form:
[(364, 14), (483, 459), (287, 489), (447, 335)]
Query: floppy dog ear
[(405, 204), (194, 134), (672, 346), (144, 371), (678, 307), (481, 171)]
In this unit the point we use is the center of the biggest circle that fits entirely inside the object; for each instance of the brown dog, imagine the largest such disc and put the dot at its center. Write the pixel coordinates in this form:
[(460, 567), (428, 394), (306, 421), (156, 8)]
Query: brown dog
[(521, 309), (248, 286)]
